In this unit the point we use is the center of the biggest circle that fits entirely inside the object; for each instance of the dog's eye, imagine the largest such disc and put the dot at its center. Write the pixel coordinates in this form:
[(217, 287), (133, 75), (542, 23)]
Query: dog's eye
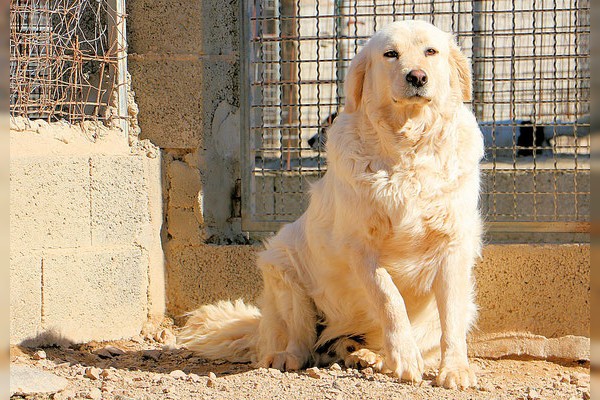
[(391, 54), (431, 52)]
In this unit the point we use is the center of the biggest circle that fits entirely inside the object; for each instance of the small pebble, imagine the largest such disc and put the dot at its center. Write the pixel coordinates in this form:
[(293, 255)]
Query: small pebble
[(165, 336), (211, 375), (115, 351), (194, 377), (106, 388), (39, 355), (178, 374), (106, 374), (211, 383), (335, 367), (586, 395), (94, 394), (579, 380), (93, 373), (314, 372)]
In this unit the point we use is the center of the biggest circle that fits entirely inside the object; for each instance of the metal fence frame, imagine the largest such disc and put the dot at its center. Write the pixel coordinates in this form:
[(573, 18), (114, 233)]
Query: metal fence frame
[(252, 224)]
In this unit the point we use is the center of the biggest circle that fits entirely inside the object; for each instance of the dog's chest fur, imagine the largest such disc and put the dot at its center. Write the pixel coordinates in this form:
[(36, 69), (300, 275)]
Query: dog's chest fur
[(410, 208)]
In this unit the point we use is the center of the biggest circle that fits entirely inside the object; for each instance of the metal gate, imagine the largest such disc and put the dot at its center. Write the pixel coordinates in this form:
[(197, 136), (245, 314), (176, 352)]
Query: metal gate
[(531, 63)]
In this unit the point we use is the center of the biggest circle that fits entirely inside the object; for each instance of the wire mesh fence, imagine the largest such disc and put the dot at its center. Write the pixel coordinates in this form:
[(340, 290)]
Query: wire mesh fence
[(64, 57), (531, 64)]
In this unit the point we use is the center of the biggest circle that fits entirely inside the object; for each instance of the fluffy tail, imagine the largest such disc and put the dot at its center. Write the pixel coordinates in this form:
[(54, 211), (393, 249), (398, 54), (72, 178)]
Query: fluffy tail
[(226, 330)]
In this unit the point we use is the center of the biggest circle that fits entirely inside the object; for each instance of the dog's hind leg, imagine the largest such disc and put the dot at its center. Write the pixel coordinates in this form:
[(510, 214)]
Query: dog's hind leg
[(287, 329)]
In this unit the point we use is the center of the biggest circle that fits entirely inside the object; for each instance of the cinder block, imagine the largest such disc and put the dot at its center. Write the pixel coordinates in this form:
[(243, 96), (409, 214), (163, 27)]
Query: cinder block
[(205, 274), (170, 109), (96, 295), (182, 27), (50, 202), (184, 226), (119, 199), (184, 184), (176, 113), (541, 289), (25, 297)]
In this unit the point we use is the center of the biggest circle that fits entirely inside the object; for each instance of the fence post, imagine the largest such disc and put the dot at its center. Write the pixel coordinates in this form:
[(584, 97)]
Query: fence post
[(117, 40)]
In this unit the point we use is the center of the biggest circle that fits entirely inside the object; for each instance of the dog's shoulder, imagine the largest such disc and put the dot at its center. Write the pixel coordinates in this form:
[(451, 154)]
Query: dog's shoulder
[(470, 138)]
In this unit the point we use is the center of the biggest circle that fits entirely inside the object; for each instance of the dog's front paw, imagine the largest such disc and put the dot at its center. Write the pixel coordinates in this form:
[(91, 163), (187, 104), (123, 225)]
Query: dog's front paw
[(459, 376), (364, 358), (282, 361), (406, 362)]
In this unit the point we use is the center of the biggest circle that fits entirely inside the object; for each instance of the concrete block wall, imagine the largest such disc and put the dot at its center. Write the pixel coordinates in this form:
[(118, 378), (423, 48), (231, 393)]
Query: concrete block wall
[(85, 223)]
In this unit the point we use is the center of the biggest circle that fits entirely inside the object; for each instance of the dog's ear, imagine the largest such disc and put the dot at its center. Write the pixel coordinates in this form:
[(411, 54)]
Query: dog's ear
[(460, 71), (353, 87)]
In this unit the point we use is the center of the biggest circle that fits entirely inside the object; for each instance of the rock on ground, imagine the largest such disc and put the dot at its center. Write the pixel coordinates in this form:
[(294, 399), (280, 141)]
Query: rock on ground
[(26, 380)]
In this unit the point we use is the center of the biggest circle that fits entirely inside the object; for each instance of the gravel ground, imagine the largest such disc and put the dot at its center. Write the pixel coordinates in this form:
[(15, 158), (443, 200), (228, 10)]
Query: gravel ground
[(151, 367)]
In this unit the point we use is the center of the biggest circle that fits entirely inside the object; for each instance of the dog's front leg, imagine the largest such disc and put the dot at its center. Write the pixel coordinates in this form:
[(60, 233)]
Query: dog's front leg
[(401, 354), (454, 296)]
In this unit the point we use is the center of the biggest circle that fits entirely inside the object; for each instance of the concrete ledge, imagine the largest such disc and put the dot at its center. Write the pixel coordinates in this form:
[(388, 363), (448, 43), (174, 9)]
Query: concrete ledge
[(566, 348)]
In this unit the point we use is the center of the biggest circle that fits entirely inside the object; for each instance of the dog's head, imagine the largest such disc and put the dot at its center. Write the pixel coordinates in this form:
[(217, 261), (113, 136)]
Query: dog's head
[(408, 62)]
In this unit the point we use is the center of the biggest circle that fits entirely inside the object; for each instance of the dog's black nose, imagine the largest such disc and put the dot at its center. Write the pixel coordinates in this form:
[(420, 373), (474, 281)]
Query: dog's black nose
[(417, 78)]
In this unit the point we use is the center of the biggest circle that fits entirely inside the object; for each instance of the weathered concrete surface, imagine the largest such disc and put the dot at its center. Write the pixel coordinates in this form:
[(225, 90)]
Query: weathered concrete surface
[(86, 218), (220, 164), (50, 202), (534, 289), (157, 301), (171, 113), (95, 293), (206, 273), (119, 202), (25, 295), (543, 289)]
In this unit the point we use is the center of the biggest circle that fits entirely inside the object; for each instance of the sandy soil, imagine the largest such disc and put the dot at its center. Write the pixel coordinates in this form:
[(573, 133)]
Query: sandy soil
[(151, 367)]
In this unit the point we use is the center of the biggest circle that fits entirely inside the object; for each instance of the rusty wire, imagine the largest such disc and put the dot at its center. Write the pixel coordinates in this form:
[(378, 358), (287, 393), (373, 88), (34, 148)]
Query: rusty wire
[(63, 59)]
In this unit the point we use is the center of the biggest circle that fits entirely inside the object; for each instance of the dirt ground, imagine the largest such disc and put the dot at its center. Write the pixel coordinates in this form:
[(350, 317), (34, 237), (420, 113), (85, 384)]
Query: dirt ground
[(151, 367)]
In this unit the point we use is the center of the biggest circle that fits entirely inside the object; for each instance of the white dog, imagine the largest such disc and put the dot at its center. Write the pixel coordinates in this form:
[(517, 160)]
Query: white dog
[(378, 270)]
